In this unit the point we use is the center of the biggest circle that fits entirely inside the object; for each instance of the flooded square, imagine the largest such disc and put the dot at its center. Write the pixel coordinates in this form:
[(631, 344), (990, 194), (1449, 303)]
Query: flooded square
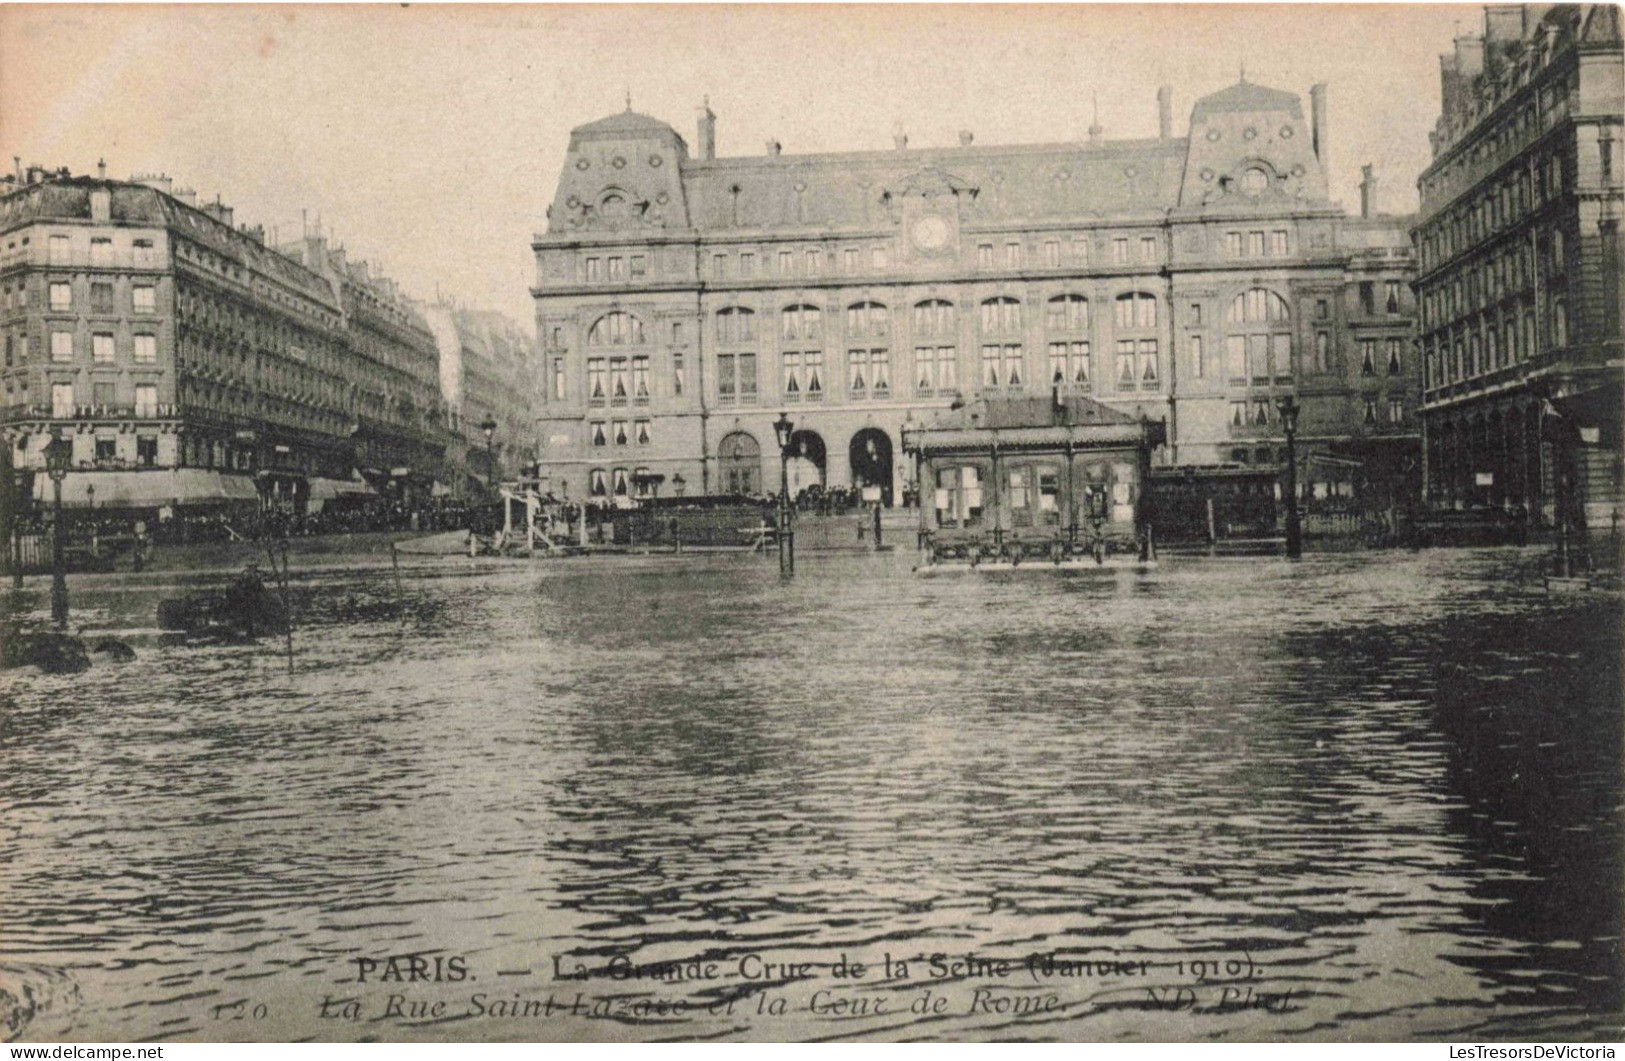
[(1366, 796)]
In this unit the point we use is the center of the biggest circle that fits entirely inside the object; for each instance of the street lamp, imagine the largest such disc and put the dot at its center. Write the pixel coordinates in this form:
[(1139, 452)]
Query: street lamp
[(678, 484), (1294, 526), (58, 459), (11, 508), (489, 426), (783, 429)]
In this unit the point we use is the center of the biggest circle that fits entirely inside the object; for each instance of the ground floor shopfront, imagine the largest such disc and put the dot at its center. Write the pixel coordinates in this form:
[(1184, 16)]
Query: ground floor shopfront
[(1548, 459)]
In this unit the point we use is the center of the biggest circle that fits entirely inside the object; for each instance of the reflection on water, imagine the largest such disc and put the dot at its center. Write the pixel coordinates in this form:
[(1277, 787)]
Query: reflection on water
[(1391, 783)]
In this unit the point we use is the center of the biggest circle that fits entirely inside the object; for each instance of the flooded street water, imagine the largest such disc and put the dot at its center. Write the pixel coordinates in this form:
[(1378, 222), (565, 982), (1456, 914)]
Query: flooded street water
[(1368, 796)]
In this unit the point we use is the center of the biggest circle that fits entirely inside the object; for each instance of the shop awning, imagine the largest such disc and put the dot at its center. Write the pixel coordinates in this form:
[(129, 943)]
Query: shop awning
[(149, 489), (330, 489)]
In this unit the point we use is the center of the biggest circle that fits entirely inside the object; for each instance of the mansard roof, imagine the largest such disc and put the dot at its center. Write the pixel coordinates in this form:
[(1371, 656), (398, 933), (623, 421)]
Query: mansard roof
[(1246, 96), (640, 167), (992, 183), (627, 121), (627, 125)]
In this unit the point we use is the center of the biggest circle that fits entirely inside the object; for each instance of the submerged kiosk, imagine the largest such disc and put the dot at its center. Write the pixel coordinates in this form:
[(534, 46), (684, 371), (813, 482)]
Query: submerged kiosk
[(1056, 481)]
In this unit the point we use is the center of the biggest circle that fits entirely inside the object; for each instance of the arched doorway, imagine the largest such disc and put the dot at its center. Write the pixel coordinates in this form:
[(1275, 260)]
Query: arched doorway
[(871, 460), (739, 460), (809, 461)]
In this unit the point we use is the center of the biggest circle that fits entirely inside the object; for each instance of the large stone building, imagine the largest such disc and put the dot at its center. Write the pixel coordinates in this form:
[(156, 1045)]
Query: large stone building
[(683, 301), (188, 362), (487, 374), (1520, 281)]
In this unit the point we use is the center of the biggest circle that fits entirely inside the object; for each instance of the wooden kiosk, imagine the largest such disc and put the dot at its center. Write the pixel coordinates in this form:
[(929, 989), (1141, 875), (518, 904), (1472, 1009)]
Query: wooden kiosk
[(1043, 482)]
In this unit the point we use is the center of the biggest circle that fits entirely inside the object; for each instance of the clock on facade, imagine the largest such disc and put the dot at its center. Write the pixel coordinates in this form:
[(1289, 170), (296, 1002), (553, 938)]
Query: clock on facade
[(930, 233)]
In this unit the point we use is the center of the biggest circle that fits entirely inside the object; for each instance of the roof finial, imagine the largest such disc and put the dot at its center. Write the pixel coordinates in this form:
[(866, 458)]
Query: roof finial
[(1094, 129), (629, 98), (1244, 71)]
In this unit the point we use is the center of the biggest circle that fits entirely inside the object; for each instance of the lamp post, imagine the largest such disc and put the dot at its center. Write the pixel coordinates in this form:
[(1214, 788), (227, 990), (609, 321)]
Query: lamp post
[(1294, 526), (489, 426), (911, 474), (678, 484), (783, 428), (58, 459), (11, 510)]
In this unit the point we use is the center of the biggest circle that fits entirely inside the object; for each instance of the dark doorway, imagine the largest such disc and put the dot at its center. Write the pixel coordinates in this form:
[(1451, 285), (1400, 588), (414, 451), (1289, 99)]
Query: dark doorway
[(872, 462), (739, 459), (809, 461)]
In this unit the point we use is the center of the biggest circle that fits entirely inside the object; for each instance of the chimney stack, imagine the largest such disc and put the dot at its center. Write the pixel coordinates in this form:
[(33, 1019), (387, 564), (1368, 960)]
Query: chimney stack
[(1317, 121), (708, 131), (966, 138), (774, 148), (101, 169), (1470, 56), (1165, 112), (900, 140), (1368, 190)]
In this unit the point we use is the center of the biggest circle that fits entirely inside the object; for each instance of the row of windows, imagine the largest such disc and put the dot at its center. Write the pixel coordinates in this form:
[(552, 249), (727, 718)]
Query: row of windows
[(812, 261), (59, 293), (1067, 312), (1390, 304), (737, 324), (227, 332), (618, 482), (59, 250), (869, 371), (616, 268), (1272, 244), (143, 348), (620, 432), (1259, 358), (1539, 112), (1506, 271), (616, 379), (1032, 495), (1256, 359), (1490, 348), (1493, 209), (1261, 412), (1124, 251), (63, 407), (746, 264)]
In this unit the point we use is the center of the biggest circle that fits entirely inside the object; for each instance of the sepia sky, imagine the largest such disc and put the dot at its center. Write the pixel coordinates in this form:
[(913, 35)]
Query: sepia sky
[(430, 138)]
